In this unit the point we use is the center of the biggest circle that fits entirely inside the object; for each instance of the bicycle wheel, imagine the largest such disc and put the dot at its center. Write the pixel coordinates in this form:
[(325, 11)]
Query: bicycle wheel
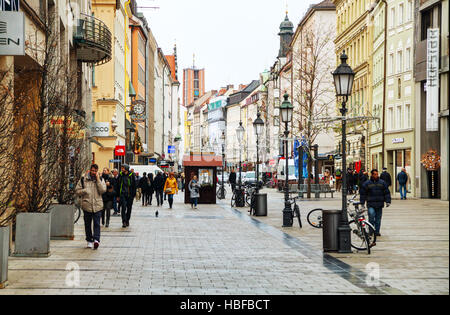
[(297, 214), (248, 200), (362, 237), (220, 193), (315, 218), (77, 214)]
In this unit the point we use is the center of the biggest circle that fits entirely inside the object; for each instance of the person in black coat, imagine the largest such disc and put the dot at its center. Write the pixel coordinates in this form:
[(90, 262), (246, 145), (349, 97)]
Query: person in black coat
[(363, 177), (232, 180), (158, 185), (143, 185), (350, 182), (126, 192), (150, 189), (375, 192), (386, 177)]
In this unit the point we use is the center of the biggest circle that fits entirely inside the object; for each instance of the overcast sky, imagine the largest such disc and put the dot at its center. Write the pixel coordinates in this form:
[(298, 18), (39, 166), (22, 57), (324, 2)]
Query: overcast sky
[(234, 40)]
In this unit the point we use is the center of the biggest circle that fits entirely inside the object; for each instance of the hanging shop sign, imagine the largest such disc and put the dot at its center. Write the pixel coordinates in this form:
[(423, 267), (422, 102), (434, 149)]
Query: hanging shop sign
[(120, 150), (100, 129), (138, 111), (432, 122), (12, 33)]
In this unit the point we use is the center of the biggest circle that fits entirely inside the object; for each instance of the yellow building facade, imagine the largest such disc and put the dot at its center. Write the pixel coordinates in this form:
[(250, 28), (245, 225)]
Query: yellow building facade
[(354, 35)]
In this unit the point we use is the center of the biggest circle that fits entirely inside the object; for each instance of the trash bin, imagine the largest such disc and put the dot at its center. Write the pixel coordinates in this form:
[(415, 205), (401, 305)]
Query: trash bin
[(261, 205), (240, 199), (330, 230)]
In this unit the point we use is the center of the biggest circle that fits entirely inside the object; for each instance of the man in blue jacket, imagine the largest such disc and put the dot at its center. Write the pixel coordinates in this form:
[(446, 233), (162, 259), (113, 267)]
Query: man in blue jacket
[(376, 193), (402, 179)]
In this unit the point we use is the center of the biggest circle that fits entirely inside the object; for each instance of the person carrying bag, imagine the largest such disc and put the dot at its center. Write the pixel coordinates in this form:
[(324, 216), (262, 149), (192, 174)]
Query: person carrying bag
[(194, 188), (171, 188)]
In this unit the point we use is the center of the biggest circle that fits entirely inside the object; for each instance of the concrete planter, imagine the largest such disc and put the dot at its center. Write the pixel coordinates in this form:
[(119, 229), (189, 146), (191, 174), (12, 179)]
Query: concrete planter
[(4, 253), (62, 225), (32, 235)]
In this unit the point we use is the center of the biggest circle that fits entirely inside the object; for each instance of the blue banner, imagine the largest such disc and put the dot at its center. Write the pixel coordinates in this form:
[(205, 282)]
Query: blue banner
[(296, 157)]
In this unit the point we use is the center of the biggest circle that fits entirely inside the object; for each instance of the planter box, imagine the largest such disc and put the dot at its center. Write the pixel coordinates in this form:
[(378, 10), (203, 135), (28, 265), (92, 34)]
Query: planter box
[(4, 253), (32, 235), (62, 225)]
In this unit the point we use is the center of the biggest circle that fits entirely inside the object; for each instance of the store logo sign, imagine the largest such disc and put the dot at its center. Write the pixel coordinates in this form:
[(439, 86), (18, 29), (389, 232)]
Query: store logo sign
[(12, 33), (100, 129)]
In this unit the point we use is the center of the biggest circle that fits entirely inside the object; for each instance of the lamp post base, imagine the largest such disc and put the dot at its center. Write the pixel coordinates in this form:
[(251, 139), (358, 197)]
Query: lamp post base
[(344, 232), (288, 220)]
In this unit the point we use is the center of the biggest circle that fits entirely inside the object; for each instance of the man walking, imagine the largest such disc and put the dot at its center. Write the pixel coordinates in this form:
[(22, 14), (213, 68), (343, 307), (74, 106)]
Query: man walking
[(90, 188), (143, 186), (338, 176), (158, 185), (376, 193), (114, 181), (127, 193), (402, 179), (232, 180), (386, 177)]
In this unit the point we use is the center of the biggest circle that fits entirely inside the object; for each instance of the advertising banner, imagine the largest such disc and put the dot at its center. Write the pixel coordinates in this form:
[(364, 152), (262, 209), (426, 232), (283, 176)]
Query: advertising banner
[(432, 123)]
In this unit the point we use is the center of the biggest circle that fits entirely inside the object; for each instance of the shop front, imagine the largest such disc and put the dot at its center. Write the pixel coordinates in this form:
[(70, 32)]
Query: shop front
[(400, 155)]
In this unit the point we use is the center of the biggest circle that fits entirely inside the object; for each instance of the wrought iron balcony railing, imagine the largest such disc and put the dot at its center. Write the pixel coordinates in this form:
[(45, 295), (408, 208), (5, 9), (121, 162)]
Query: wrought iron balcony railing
[(93, 40)]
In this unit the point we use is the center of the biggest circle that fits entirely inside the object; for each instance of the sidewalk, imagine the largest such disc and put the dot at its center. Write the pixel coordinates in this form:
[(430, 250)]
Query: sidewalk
[(412, 253)]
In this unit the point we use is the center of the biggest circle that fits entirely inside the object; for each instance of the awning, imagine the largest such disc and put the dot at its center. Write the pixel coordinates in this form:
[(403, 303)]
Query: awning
[(202, 160)]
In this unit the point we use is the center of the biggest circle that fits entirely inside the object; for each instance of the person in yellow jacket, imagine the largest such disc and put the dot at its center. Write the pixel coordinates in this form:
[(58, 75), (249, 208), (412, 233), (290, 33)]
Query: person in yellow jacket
[(171, 188)]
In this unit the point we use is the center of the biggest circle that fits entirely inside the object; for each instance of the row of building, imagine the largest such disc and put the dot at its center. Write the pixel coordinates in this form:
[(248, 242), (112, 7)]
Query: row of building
[(395, 118), (127, 87)]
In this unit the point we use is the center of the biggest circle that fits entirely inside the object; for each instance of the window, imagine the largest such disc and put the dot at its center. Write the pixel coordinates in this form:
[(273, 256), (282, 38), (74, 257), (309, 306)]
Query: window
[(399, 61), (409, 10), (399, 118), (399, 88), (426, 22), (392, 17), (400, 14), (408, 59), (407, 116), (391, 63), (390, 119), (93, 116)]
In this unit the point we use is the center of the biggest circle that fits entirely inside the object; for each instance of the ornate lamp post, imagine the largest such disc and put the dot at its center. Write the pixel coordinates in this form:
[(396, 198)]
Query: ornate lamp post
[(222, 187), (286, 112), (240, 137), (258, 124), (343, 81)]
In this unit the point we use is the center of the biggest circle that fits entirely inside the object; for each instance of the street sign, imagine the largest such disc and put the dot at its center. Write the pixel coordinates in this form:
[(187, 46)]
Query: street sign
[(115, 161), (152, 160), (12, 33), (171, 149)]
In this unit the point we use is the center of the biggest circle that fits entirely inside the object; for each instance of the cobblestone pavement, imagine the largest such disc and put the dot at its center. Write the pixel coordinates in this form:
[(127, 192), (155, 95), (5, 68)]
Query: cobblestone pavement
[(219, 250), (412, 253)]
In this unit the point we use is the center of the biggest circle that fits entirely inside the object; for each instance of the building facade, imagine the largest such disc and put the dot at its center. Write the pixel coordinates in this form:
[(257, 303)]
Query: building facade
[(193, 84)]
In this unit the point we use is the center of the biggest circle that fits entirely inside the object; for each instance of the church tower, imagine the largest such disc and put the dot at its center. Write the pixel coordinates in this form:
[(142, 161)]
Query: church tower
[(286, 33)]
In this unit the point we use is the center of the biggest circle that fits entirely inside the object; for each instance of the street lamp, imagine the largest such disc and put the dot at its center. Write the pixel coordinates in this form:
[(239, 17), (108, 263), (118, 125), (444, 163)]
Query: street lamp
[(258, 124), (240, 137), (286, 112), (343, 81)]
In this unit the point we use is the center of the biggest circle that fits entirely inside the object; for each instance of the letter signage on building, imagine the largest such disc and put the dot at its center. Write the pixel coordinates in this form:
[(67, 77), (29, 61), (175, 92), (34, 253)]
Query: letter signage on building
[(12, 33), (100, 129), (432, 123)]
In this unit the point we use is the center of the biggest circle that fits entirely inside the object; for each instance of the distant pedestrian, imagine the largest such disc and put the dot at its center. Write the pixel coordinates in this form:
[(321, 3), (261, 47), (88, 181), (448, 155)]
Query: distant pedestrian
[(386, 177), (114, 180), (232, 180), (402, 179), (376, 193), (90, 188), (158, 185), (350, 181), (171, 188), (194, 188), (143, 186), (338, 176), (165, 176), (127, 193), (150, 189)]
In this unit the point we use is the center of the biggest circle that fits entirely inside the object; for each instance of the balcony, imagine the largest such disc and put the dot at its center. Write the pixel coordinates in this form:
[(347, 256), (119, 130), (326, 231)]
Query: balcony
[(93, 40)]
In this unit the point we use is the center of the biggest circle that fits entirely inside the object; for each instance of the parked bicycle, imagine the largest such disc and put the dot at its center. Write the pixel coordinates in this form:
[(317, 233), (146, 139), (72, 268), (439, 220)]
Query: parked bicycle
[(363, 236), (295, 212)]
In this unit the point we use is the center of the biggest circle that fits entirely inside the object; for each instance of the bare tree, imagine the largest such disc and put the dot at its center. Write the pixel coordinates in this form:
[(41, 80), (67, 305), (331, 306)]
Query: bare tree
[(313, 93)]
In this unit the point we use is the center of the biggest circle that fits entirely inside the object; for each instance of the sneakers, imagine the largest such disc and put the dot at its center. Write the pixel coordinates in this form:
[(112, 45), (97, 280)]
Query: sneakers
[(96, 244), (124, 225), (90, 245)]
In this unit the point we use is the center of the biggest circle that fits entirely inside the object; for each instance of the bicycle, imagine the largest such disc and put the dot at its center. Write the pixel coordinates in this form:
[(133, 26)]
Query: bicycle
[(363, 233), (221, 193), (77, 214), (235, 197), (295, 212), (315, 218)]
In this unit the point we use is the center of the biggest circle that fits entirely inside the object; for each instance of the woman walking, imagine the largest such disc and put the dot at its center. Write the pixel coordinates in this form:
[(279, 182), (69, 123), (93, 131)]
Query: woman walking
[(171, 188), (150, 189), (194, 188)]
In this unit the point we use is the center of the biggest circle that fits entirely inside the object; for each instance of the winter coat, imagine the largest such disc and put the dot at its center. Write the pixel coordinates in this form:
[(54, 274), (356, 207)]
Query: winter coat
[(386, 177), (232, 178), (91, 194), (171, 183), (194, 188), (158, 182), (126, 185), (375, 193), (143, 183), (402, 178), (150, 184)]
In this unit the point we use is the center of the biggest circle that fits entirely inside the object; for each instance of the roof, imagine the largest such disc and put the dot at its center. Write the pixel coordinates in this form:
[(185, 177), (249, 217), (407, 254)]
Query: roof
[(239, 96), (172, 64), (202, 160)]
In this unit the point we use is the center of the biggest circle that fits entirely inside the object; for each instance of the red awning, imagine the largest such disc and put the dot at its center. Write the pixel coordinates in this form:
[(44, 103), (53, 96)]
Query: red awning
[(202, 160)]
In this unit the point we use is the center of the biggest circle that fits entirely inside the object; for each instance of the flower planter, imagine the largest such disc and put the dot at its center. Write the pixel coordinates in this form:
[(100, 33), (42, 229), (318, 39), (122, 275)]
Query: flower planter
[(32, 235), (62, 218), (4, 253)]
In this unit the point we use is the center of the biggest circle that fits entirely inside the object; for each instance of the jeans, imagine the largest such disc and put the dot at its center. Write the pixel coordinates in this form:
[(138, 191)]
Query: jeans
[(127, 204), (403, 191), (159, 197), (149, 197), (194, 202), (90, 217), (375, 215), (170, 198)]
